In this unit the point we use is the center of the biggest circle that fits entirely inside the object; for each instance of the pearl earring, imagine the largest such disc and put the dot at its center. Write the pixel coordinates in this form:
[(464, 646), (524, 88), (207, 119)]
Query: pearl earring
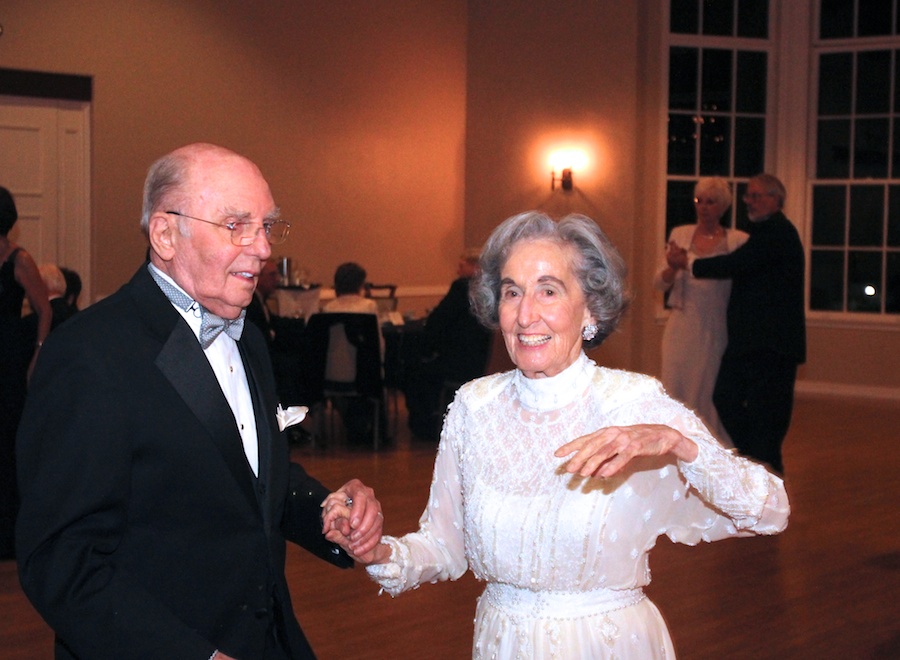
[(589, 332)]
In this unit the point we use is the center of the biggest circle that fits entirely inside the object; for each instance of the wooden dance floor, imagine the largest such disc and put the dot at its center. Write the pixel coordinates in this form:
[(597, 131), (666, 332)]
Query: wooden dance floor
[(828, 587)]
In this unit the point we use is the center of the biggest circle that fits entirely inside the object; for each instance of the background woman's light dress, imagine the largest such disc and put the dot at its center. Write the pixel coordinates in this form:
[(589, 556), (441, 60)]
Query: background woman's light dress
[(696, 332)]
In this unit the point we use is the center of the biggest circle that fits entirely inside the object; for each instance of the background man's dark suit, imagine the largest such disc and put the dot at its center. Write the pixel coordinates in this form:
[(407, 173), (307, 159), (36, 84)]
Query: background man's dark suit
[(140, 509), (455, 350), (754, 390), (460, 342)]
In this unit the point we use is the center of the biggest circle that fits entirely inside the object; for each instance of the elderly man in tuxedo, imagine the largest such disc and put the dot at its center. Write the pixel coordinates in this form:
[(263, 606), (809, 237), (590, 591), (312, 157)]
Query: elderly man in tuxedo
[(157, 490)]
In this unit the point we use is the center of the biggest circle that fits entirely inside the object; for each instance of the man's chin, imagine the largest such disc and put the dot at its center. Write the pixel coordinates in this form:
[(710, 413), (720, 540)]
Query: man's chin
[(228, 311)]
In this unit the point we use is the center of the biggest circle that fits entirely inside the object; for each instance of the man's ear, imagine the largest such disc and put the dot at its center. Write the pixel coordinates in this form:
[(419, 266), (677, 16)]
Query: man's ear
[(161, 231)]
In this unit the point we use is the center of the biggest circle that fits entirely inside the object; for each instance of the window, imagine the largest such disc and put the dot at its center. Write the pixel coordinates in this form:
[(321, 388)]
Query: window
[(855, 225), (717, 100), (721, 87)]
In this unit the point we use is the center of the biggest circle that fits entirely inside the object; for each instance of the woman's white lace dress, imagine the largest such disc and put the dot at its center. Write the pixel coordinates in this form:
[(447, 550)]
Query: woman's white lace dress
[(565, 557)]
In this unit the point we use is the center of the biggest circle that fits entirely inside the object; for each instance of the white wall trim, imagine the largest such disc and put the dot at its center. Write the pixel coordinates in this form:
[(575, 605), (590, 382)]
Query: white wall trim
[(844, 390), (404, 291)]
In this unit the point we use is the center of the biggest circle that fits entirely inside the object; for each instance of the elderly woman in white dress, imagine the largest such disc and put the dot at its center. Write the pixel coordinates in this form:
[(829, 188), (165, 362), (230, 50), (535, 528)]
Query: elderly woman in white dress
[(696, 332), (556, 516)]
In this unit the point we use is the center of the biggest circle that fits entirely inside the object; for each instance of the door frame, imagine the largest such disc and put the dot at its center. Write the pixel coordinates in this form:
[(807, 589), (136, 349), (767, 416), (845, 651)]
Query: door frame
[(71, 97)]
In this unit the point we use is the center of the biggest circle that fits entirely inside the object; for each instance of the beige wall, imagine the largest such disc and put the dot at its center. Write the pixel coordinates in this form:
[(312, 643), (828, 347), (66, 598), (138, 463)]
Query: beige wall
[(852, 360), (394, 133), (354, 111), (590, 71), (538, 79)]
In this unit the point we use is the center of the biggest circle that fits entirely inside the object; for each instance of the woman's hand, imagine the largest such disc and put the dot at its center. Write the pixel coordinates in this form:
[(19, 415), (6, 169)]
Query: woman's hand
[(676, 257), (606, 451), (352, 518)]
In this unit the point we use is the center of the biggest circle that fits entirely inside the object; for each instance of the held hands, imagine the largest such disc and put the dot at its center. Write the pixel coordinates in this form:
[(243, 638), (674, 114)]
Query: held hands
[(606, 451), (676, 257), (352, 518)]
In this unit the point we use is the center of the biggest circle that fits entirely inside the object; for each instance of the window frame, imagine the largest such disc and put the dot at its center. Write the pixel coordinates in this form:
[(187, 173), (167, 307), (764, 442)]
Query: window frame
[(846, 319), (791, 115)]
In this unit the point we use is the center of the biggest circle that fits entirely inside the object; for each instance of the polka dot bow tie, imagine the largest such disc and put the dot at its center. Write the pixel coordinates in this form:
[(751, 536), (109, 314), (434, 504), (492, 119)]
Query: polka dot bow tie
[(211, 325)]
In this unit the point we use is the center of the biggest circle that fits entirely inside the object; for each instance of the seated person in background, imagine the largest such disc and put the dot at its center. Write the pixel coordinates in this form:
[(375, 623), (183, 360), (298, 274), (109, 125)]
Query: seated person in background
[(455, 351), (349, 280), (73, 287)]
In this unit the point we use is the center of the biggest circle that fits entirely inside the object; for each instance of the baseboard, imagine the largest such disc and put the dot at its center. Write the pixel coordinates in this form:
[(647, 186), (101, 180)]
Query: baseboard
[(844, 390)]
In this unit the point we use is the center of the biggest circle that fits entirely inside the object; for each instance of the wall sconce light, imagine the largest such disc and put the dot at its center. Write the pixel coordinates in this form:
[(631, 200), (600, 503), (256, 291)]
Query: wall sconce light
[(566, 160), (565, 179)]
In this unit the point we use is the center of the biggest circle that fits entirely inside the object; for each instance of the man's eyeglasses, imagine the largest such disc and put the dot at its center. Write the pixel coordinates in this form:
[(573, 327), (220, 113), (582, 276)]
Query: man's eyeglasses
[(244, 233), (752, 197)]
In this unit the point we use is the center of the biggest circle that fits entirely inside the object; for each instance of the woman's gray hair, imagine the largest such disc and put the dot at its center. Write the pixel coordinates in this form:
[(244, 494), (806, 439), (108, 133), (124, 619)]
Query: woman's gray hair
[(598, 267), (166, 181)]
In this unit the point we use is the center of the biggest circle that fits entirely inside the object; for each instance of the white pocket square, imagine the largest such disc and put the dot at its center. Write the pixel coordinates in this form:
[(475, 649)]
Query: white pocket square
[(289, 416)]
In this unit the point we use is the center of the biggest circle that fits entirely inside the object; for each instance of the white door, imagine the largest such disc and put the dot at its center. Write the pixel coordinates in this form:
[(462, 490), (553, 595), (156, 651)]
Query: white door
[(44, 153)]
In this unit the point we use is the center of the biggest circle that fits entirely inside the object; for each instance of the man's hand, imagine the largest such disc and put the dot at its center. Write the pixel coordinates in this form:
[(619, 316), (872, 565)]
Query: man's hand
[(352, 518)]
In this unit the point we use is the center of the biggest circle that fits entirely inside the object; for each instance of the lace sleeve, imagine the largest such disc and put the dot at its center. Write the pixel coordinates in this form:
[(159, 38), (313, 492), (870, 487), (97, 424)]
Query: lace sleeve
[(436, 551), (745, 491), (738, 495)]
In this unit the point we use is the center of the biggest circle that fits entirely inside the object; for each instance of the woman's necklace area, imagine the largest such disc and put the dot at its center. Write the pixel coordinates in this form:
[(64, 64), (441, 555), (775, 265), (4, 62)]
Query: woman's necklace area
[(715, 233), (706, 243)]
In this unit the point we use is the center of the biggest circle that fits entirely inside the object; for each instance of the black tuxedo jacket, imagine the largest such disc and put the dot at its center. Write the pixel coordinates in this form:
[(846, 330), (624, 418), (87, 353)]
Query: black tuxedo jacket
[(766, 309), (143, 532)]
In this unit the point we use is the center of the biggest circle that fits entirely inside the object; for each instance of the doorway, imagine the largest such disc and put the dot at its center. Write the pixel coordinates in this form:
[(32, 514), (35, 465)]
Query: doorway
[(45, 164)]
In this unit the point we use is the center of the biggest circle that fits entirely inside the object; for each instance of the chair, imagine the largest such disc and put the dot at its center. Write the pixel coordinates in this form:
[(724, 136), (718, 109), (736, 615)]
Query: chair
[(344, 364), (384, 295), (402, 351)]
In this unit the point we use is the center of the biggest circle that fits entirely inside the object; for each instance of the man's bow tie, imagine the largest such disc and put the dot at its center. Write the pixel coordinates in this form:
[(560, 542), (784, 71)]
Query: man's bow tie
[(211, 325)]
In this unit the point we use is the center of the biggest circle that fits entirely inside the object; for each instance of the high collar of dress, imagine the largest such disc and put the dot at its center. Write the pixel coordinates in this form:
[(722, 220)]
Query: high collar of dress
[(545, 394)]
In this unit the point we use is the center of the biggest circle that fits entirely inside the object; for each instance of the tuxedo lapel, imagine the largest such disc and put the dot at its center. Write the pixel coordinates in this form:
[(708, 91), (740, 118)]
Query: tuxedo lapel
[(183, 363)]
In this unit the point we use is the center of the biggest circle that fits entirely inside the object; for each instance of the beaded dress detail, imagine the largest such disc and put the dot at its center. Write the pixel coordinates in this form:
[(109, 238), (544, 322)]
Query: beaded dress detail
[(565, 557)]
